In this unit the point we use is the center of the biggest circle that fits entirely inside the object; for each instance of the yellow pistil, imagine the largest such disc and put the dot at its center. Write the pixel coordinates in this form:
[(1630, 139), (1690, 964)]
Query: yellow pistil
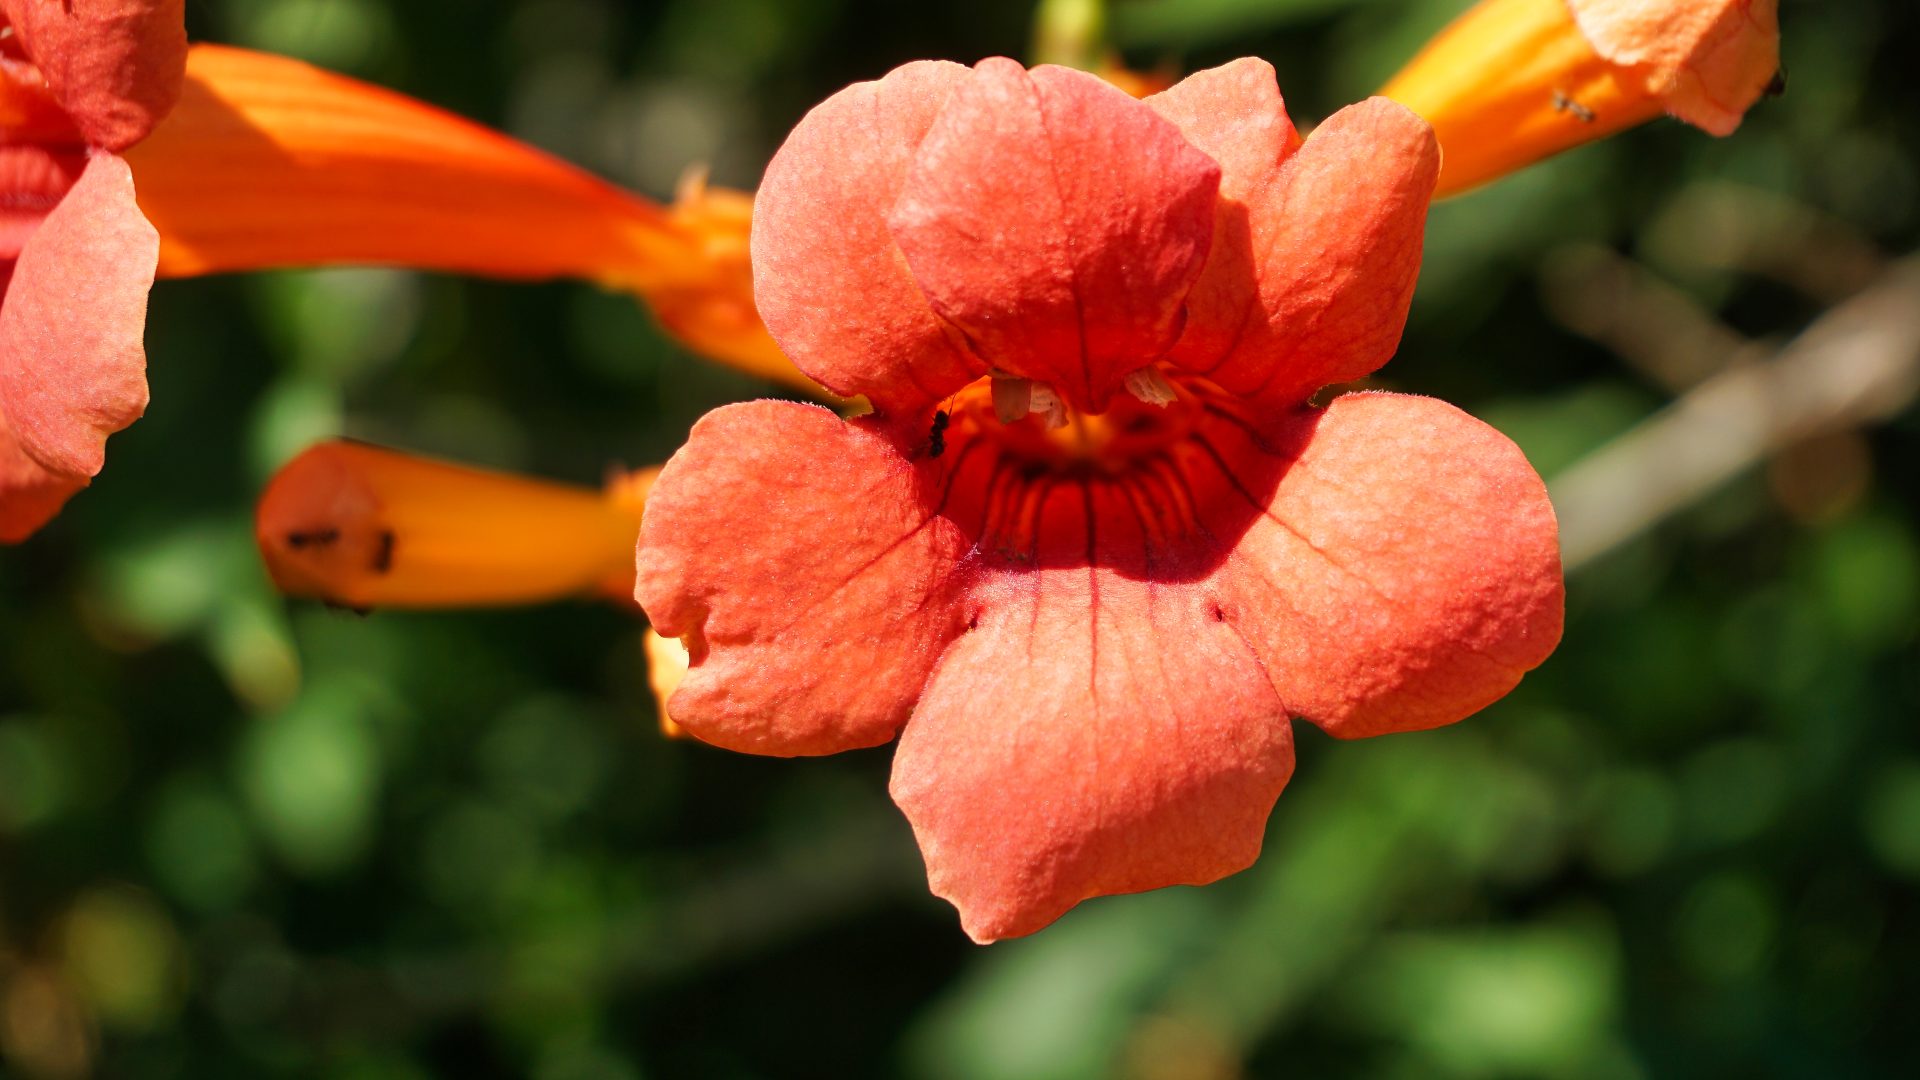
[(363, 527), (667, 663)]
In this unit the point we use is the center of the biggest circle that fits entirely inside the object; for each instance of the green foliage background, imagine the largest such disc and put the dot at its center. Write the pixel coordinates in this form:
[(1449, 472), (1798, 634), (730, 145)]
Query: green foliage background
[(240, 837)]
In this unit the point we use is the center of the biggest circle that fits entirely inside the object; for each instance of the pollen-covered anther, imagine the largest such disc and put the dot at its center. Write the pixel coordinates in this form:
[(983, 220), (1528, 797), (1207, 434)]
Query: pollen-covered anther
[(1049, 405), (1152, 387)]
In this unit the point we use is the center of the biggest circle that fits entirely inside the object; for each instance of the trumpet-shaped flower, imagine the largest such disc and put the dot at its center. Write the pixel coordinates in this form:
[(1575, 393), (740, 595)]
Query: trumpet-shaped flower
[(1094, 547), (1514, 81), (80, 82)]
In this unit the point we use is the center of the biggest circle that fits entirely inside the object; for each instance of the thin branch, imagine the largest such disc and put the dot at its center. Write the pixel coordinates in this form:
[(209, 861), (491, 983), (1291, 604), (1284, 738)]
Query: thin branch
[(1858, 364)]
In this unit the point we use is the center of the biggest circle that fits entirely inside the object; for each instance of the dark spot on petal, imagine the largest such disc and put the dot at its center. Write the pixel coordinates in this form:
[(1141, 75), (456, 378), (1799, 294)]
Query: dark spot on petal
[(383, 552), (317, 538)]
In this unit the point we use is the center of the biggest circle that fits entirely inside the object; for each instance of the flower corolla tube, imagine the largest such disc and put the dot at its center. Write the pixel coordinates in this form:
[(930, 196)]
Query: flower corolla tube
[(1514, 81), (1094, 547)]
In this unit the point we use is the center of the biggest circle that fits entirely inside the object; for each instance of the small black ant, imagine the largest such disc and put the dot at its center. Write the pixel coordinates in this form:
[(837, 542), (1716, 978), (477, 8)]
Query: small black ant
[(383, 551), (1778, 84), (937, 438), (1566, 104)]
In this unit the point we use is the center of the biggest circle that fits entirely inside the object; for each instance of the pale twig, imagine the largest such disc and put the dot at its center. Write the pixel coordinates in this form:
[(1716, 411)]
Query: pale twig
[(1716, 227), (1858, 363), (1652, 325)]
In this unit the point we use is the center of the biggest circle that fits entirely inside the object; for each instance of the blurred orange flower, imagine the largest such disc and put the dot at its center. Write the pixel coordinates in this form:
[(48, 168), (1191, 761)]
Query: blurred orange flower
[(1514, 81)]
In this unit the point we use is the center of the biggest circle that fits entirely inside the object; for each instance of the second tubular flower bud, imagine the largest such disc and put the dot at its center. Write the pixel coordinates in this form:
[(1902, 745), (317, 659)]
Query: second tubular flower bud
[(1514, 81), (362, 527)]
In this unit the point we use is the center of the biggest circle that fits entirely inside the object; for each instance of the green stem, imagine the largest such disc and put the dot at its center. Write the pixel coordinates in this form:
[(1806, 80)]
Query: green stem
[(1072, 33)]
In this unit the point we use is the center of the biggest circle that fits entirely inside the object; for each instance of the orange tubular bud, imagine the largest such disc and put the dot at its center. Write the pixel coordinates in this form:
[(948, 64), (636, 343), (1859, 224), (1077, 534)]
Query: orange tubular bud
[(1514, 81), (271, 162), (363, 527)]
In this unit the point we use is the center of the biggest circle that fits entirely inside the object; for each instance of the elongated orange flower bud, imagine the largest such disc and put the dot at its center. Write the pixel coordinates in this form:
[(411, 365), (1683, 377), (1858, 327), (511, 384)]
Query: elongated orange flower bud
[(271, 162), (364, 527), (1514, 81)]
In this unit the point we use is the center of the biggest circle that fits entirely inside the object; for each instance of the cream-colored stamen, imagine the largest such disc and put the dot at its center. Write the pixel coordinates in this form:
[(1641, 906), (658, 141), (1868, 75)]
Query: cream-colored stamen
[(1048, 403), (1012, 397), (1150, 386)]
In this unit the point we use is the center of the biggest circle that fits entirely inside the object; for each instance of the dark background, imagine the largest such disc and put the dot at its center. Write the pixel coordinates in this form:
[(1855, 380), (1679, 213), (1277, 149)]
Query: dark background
[(241, 837)]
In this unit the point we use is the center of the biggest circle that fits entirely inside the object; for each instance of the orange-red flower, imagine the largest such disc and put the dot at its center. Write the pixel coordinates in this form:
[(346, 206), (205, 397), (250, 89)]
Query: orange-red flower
[(1093, 547), (1514, 81), (80, 81)]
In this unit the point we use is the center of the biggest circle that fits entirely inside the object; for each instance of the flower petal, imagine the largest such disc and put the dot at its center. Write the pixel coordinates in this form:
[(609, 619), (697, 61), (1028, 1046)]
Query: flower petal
[(1335, 250), (1712, 59), (30, 495), (1405, 571), (1059, 223), (800, 559), (1094, 734), (1234, 114), (72, 363), (29, 112), (115, 65), (33, 180), (829, 282)]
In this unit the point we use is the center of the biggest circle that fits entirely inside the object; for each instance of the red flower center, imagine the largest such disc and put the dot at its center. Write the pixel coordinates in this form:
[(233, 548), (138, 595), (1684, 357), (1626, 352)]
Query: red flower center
[(1027, 491)]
